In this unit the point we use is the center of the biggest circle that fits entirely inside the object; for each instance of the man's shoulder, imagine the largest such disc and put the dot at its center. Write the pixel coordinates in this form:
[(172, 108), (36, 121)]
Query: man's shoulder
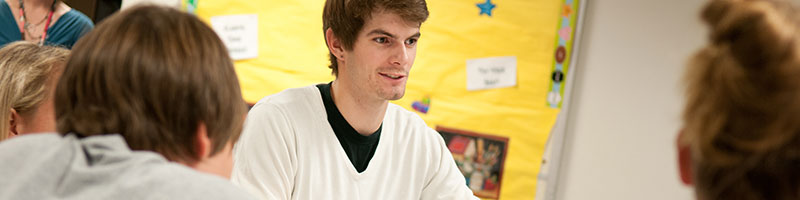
[(290, 102), (20, 146), (40, 139), (402, 116), (174, 181), (286, 110), (24, 152), (291, 97), (408, 124), (43, 160)]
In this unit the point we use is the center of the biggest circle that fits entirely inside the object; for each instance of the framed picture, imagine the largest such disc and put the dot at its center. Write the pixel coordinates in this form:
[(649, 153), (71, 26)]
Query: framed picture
[(480, 158)]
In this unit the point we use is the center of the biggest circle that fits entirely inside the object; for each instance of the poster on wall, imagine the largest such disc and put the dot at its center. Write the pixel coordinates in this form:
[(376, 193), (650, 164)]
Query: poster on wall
[(479, 157)]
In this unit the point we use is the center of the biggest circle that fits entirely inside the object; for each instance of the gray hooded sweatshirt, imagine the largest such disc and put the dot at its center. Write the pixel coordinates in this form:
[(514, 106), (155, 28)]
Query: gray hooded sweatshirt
[(49, 166)]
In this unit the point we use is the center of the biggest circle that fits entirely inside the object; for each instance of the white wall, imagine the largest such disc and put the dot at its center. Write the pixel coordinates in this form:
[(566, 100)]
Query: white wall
[(627, 99), (129, 3)]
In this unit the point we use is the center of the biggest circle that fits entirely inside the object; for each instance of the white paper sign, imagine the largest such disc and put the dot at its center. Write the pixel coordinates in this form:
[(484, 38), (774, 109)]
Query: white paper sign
[(488, 73), (239, 33)]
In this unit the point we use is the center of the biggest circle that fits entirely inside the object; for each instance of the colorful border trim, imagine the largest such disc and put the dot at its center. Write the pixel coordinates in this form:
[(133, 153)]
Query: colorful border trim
[(189, 6), (563, 51)]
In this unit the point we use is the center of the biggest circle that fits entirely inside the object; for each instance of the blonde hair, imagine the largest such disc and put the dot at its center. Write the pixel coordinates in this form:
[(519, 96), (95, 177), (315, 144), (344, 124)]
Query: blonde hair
[(25, 69), (742, 119)]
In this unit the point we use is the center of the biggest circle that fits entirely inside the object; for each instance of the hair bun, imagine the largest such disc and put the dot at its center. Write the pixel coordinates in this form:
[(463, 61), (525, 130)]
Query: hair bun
[(755, 32)]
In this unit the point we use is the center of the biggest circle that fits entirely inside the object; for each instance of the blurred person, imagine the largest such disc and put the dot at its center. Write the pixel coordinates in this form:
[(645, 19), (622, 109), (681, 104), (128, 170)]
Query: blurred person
[(741, 134), (28, 76), (45, 22), (149, 107)]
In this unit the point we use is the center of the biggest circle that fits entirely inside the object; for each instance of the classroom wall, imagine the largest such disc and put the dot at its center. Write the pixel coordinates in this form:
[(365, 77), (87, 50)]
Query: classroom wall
[(627, 99), (129, 3)]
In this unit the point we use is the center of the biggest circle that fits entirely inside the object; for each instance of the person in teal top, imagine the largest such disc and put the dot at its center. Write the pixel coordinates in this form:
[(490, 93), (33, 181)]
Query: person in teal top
[(66, 25)]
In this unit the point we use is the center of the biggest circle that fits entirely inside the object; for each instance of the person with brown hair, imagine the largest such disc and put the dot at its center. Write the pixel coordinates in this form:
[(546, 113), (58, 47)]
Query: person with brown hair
[(741, 134), (344, 140), (28, 75), (149, 107)]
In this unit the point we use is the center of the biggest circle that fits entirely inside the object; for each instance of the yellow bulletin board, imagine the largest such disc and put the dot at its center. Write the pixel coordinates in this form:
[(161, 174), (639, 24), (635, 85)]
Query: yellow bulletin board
[(511, 122)]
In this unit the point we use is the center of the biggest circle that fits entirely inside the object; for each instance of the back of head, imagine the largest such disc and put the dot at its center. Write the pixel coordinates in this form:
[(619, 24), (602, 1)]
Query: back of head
[(742, 119), (25, 69), (347, 17), (152, 74)]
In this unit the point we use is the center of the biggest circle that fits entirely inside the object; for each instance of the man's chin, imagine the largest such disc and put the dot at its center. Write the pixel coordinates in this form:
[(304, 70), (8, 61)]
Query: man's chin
[(396, 96)]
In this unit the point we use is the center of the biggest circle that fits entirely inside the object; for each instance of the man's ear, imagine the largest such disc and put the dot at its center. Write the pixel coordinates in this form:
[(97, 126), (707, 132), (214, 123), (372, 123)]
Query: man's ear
[(202, 144), (334, 44), (684, 159), (221, 163), (14, 122)]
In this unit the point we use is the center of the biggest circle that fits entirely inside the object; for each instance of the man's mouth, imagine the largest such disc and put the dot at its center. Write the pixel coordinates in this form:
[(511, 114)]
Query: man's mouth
[(392, 76)]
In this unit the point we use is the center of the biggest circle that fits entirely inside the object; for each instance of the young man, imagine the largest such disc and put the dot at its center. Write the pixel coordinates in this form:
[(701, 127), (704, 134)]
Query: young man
[(344, 140), (147, 102)]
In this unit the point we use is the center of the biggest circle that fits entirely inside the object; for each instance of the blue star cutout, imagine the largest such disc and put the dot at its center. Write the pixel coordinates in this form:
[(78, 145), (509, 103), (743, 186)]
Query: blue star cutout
[(486, 8)]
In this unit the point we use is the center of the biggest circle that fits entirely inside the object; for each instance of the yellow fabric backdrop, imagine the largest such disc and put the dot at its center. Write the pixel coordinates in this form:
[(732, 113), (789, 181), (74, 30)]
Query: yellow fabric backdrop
[(292, 53)]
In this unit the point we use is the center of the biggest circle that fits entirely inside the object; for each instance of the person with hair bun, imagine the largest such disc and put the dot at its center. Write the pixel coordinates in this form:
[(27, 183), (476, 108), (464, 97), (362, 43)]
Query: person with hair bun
[(741, 132)]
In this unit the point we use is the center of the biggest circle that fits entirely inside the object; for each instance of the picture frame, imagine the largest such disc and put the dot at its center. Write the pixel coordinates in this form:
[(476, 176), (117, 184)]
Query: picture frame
[(480, 158)]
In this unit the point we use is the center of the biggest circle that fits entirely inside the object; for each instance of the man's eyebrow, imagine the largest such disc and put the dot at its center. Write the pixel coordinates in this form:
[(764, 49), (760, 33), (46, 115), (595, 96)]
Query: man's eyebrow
[(381, 32)]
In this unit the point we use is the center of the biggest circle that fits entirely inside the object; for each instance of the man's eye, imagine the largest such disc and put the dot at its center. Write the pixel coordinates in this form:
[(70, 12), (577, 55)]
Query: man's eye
[(411, 41), (380, 40)]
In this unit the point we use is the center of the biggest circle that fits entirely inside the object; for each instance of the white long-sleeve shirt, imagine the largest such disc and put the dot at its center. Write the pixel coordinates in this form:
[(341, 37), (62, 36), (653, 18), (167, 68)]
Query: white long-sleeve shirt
[(288, 150)]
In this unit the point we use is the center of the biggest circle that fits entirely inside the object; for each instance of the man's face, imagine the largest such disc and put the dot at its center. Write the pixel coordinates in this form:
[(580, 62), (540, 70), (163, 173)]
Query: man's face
[(381, 58)]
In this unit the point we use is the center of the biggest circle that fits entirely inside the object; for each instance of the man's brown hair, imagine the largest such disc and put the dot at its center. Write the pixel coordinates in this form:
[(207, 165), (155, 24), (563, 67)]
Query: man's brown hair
[(742, 119), (347, 17), (152, 74)]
